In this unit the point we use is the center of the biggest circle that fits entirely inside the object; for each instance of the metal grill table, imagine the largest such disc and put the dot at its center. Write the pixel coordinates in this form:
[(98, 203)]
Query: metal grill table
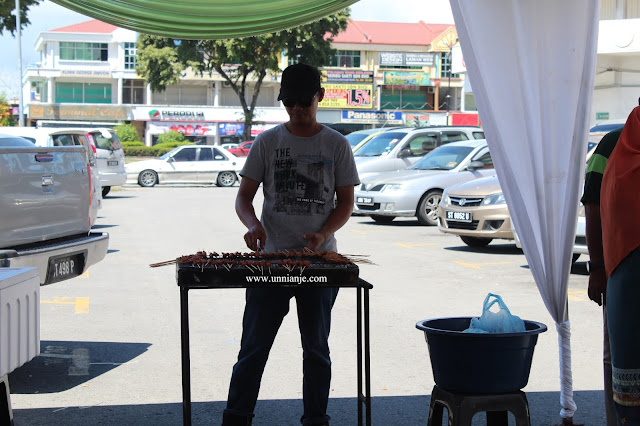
[(335, 276)]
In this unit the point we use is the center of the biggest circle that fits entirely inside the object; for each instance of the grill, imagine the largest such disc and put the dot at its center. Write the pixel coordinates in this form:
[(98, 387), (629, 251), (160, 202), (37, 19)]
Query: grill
[(368, 187), (462, 225), (465, 202), (375, 206)]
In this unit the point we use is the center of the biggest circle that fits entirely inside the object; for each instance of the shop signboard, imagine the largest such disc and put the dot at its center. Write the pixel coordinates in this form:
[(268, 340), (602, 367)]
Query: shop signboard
[(236, 129), (413, 59), (352, 95), (372, 117), (85, 73), (341, 76), (406, 78), (79, 112), (200, 129)]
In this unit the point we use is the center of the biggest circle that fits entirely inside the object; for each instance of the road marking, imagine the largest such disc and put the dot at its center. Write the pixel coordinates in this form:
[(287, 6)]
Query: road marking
[(578, 295), (410, 246), (80, 304), (478, 265)]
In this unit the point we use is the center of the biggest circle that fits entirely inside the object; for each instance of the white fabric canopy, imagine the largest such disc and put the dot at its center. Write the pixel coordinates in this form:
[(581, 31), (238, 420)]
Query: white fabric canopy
[(532, 66)]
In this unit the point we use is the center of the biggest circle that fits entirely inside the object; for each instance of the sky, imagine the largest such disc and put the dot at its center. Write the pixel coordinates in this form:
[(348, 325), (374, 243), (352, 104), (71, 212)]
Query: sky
[(48, 15)]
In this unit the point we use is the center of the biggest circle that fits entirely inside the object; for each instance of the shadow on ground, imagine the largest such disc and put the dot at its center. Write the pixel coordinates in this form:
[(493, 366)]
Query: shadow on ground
[(64, 365), (392, 410)]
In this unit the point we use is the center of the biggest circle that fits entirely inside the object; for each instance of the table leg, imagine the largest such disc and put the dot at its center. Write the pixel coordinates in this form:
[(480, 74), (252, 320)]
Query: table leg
[(367, 356), (186, 362), (359, 351)]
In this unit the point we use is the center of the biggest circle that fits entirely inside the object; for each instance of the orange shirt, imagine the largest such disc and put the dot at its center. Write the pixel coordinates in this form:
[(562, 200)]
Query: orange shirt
[(620, 196)]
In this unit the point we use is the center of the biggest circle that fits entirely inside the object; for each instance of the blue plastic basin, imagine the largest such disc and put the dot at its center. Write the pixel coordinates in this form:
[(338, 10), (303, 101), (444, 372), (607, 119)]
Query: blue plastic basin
[(479, 363)]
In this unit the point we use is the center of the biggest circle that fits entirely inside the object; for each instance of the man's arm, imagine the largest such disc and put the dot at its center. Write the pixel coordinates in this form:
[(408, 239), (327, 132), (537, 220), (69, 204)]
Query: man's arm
[(338, 217), (597, 275), (247, 214)]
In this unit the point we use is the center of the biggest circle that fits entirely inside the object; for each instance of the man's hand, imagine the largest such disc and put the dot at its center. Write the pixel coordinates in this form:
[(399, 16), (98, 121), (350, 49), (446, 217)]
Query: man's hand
[(598, 286), (255, 237), (314, 240)]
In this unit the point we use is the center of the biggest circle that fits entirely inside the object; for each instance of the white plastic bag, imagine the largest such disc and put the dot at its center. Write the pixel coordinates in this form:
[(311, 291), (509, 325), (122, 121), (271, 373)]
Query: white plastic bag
[(501, 321)]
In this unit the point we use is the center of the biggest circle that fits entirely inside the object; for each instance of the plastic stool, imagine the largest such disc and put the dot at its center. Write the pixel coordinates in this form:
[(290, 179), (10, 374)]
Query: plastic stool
[(462, 407), (6, 415)]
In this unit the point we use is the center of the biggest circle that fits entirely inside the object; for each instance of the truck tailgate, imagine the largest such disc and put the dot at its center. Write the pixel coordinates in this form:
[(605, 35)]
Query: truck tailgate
[(41, 190)]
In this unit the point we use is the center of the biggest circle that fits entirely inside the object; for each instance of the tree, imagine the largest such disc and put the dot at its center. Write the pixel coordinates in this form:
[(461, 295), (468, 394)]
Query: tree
[(8, 19), (242, 62), (126, 133), (6, 116)]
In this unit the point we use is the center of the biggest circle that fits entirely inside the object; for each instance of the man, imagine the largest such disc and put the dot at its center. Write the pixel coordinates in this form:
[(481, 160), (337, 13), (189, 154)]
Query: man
[(302, 166), (597, 275)]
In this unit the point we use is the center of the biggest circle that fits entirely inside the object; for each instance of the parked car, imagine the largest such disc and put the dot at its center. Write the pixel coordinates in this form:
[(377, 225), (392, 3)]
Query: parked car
[(360, 137), (228, 146), (417, 190), (400, 148), (109, 157), (188, 164), (242, 150), (476, 211), (54, 136)]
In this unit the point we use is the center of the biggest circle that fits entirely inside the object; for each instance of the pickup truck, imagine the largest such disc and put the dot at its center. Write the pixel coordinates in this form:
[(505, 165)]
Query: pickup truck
[(45, 205)]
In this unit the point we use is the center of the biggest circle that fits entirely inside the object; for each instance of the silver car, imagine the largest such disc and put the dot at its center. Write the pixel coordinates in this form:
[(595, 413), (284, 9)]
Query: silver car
[(417, 191)]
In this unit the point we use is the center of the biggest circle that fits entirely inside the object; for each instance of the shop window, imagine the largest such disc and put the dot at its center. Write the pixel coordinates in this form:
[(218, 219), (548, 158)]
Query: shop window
[(345, 58), (405, 99), (133, 91), (130, 55), (38, 91), (445, 66), (79, 51), (83, 93)]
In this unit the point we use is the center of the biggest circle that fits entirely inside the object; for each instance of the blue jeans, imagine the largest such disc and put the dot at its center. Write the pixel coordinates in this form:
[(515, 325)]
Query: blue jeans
[(263, 314)]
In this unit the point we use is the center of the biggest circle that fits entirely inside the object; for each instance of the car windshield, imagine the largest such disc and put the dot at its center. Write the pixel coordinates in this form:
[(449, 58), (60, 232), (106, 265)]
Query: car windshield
[(170, 153), (381, 144), (446, 157), (355, 138)]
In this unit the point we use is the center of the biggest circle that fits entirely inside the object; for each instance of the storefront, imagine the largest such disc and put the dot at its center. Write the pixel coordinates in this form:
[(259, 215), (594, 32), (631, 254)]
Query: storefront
[(204, 125)]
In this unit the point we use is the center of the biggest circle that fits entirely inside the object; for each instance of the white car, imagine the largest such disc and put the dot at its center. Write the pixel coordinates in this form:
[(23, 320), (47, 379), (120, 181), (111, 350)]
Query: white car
[(417, 191), (188, 164), (110, 157)]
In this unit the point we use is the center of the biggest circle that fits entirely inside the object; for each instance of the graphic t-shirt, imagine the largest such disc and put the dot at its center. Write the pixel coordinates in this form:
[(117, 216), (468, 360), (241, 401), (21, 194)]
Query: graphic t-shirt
[(299, 176)]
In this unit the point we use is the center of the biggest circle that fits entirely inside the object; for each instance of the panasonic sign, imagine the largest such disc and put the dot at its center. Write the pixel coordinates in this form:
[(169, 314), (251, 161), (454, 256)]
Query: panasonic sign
[(372, 117)]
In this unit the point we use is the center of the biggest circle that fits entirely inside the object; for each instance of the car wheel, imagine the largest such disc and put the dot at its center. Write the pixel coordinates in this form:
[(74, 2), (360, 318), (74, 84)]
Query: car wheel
[(105, 190), (428, 208), (147, 178), (226, 179), (475, 241), (382, 219)]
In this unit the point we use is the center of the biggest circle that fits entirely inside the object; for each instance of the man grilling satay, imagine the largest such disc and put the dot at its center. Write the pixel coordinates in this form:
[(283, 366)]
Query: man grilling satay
[(303, 166)]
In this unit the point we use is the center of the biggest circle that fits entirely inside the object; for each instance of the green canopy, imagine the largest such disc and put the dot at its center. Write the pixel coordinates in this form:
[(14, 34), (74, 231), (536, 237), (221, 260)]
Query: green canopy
[(206, 19)]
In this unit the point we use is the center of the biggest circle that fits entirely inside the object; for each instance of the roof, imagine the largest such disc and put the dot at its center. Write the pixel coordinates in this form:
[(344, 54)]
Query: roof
[(92, 26), (420, 34)]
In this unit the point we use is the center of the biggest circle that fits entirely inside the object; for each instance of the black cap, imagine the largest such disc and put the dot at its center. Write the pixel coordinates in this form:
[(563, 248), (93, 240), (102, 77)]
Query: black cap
[(299, 81)]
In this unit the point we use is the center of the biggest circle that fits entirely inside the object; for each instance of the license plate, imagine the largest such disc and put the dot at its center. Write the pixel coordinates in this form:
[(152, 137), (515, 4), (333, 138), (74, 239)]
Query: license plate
[(65, 267), (459, 216), (112, 163), (364, 200)]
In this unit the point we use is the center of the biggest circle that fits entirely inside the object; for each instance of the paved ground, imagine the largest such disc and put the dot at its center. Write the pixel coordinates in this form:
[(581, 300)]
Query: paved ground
[(111, 338)]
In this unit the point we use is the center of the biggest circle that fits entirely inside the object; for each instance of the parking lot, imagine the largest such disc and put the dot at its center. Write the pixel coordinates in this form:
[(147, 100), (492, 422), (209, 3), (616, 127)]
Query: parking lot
[(110, 339)]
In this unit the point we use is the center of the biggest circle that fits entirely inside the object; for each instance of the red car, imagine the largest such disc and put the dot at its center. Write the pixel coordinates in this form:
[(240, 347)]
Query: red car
[(242, 150)]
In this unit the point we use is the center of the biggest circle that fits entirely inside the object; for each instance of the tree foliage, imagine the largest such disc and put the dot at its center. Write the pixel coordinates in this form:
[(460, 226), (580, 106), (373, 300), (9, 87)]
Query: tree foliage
[(126, 133), (242, 62), (171, 137), (8, 19), (6, 116)]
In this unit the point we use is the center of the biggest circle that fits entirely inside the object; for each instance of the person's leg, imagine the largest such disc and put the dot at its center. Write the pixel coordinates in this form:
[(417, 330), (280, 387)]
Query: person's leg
[(623, 318), (314, 319), (609, 405), (263, 314)]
